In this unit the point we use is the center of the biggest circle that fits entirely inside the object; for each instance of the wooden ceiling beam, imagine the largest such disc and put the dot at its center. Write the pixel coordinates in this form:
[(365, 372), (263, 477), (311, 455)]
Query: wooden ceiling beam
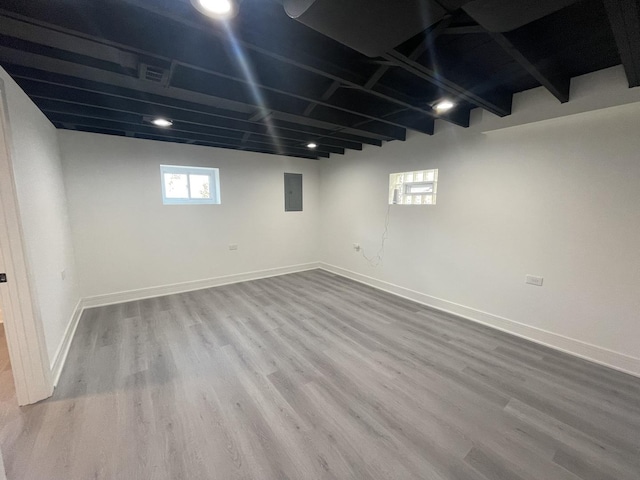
[(136, 118), (369, 110), (558, 85), (79, 99), (178, 134), (62, 67), (496, 102), (624, 17)]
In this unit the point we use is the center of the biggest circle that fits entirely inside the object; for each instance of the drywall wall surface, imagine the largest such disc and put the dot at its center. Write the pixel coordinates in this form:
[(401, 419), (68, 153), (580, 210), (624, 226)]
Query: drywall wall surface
[(557, 199), (126, 239), (593, 91), (43, 211)]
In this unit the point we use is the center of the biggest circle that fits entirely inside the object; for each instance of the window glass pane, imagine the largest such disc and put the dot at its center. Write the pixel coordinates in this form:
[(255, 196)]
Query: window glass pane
[(419, 188), (200, 186), (175, 185), (413, 188)]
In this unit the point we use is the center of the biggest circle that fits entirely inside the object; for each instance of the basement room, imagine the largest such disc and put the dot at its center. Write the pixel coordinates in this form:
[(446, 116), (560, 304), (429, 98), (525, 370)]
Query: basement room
[(320, 239)]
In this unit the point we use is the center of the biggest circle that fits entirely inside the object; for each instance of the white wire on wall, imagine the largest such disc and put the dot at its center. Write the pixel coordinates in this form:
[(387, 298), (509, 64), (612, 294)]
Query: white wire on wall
[(376, 260)]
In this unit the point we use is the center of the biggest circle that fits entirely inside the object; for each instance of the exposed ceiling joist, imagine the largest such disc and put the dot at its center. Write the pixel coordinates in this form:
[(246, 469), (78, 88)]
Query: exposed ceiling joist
[(557, 84), (97, 49), (459, 117), (83, 98), (297, 59), (624, 16), (264, 82), (66, 41), (111, 124), (496, 102), (238, 103), (272, 95)]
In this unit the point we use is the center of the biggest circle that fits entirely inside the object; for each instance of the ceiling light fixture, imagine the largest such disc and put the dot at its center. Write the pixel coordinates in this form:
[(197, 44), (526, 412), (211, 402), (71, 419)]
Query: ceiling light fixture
[(162, 122), (312, 145), (444, 106), (217, 9)]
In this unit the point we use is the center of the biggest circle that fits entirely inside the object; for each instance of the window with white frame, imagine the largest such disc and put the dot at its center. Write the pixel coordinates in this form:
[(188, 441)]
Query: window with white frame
[(189, 185), (413, 188)]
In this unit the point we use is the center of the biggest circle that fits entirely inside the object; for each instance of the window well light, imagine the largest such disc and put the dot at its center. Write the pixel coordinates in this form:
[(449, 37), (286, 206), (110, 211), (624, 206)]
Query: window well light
[(162, 122), (312, 145), (215, 8), (444, 106)]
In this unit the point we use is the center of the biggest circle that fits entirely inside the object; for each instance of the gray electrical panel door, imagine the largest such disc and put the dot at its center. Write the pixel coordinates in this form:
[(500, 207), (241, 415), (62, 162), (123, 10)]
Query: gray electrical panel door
[(292, 192)]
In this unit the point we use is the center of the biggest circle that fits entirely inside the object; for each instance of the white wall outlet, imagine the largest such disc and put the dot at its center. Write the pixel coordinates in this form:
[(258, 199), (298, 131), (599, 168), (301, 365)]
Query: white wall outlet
[(63, 274), (356, 247), (533, 280), (233, 246)]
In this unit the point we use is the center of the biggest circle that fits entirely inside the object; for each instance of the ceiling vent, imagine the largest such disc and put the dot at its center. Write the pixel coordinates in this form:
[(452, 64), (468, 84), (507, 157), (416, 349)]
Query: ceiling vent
[(371, 27), (153, 74)]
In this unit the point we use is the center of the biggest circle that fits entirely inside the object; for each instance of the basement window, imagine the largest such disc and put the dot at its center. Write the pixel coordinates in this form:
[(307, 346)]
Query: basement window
[(413, 188), (190, 185)]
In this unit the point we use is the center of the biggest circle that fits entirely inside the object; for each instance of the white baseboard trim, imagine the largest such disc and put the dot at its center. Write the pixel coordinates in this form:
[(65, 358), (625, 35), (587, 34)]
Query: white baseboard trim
[(60, 357), (587, 351), (161, 290)]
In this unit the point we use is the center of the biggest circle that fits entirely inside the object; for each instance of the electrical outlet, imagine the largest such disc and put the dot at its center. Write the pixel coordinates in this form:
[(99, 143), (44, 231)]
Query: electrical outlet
[(533, 280), (233, 246), (356, 247)]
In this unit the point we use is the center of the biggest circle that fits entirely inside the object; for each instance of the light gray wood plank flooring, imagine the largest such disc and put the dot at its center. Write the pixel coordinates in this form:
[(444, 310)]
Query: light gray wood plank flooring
[(313, 376)]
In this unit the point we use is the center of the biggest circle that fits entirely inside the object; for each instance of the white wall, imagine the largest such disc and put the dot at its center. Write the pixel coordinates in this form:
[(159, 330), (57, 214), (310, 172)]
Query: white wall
[(558, 198), (43, 211), (126, 239)]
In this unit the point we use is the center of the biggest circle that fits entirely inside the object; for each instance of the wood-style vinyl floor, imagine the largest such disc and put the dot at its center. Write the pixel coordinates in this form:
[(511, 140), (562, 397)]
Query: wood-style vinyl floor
[(313, 376)]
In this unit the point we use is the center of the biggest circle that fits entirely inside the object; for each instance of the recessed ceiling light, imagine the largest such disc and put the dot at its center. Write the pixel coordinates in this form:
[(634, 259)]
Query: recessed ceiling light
[(444, 106), (312, 145), (215, 8), (161, 122)]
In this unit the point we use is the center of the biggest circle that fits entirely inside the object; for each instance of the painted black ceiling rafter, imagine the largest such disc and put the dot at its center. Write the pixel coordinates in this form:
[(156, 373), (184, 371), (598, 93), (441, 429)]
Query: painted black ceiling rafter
[(82, 93), (177, 134), (624, 16), (83, 103), (40, 33), (557, 85), (376, 132), (114, 62), (169, 138), (497, 102), (458, 117), (296, 59), (135, 125), (62, 67), (331, 115)]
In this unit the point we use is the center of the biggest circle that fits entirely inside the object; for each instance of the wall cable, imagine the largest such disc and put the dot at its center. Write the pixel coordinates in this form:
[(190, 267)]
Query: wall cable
[(376, 260)]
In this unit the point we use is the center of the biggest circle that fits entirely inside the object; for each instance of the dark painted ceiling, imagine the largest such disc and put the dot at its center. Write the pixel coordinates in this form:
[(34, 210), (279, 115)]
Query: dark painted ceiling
[(268, 83)]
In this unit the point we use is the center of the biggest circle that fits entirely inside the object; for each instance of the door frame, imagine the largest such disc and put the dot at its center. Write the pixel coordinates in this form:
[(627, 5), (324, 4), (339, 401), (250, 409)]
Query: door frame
[(22, 319)]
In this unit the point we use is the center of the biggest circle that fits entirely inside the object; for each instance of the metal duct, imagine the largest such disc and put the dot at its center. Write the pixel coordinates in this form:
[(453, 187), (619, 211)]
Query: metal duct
[(507, 15), (371, 27)]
